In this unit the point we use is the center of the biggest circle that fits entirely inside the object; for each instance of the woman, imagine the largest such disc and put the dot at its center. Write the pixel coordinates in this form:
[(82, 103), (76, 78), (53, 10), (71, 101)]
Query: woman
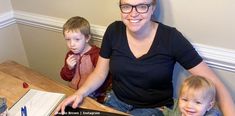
[(141, 55)]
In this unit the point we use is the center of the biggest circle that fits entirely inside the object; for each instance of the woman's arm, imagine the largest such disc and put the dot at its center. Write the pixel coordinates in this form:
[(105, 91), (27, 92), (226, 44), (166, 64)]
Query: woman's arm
[(225, 101), (96, 78), (94, 81)]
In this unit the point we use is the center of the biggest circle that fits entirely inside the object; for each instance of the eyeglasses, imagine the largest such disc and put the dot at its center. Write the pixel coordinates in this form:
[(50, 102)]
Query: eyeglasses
[(140, 8)]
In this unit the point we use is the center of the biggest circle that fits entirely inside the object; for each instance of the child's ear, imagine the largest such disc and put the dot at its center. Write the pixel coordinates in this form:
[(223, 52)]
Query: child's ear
[(88, 38), (211, 104)]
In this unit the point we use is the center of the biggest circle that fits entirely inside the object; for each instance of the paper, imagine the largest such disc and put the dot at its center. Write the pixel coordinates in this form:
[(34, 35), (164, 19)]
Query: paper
[(38, 103)]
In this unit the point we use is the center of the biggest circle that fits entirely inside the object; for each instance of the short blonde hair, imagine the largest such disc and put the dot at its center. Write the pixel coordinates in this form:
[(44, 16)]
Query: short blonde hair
[(77, 23), (195, 84)]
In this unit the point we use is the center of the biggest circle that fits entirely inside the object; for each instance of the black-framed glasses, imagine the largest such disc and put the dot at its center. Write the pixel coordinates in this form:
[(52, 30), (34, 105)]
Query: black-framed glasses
[(140, 8)]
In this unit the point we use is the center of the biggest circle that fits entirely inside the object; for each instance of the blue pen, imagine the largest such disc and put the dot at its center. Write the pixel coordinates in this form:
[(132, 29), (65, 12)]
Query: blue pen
[(23, 111)]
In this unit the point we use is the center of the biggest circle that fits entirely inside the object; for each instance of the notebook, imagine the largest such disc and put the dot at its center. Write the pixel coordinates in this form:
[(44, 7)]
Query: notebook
[(37, 102)]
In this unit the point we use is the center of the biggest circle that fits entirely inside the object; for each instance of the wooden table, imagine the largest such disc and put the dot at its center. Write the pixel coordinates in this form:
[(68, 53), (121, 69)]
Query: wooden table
[(13, 75)]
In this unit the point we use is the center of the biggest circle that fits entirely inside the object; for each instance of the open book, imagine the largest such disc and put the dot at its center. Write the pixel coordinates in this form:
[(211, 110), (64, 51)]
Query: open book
[(38, 103)]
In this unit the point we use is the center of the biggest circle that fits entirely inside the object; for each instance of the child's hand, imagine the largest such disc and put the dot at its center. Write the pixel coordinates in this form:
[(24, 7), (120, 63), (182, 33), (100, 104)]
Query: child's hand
[(71, 61)]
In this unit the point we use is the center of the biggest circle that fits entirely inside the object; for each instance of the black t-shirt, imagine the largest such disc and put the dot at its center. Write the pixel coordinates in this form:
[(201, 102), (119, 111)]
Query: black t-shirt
[(146, 81)]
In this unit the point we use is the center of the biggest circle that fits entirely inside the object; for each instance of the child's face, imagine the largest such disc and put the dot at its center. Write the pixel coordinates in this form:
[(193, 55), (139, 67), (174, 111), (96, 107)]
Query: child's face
[(76, 41), (195, 105)]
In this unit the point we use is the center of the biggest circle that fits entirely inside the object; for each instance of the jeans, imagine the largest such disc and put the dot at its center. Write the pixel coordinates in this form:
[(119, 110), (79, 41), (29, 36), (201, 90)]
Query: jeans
[(114, 102), (213, 112)]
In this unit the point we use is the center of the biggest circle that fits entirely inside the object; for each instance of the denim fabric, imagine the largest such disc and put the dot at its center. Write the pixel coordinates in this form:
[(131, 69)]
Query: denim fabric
[(213, 112), (114, 102)]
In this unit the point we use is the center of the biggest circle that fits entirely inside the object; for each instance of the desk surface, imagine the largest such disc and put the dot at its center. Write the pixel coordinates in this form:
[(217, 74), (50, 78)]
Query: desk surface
[(12, 76)]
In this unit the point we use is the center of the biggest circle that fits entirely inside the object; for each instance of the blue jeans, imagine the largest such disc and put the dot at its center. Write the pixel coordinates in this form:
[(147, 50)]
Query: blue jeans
[(114, 102), (213, 112)]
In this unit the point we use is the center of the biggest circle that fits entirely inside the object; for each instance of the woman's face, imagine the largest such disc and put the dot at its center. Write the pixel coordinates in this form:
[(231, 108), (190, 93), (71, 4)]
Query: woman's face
[(135, 21)]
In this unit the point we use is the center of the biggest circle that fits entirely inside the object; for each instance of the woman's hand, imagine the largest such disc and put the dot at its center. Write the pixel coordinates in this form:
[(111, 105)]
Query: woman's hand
[(73, 100)]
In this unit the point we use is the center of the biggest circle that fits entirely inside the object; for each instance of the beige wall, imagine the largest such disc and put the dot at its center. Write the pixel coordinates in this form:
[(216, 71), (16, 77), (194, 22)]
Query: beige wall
[(100, 12), (11, 46), (5, 6), (203, 22), (45, 49), (209, 22)]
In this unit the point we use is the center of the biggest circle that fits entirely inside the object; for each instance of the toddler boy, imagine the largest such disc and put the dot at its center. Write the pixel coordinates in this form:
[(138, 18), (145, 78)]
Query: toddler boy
[(82, 57), (196, 98)]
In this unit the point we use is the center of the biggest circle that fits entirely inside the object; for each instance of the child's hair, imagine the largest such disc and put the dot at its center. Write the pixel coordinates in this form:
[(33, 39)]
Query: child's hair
[(197, 84), (77, 23)]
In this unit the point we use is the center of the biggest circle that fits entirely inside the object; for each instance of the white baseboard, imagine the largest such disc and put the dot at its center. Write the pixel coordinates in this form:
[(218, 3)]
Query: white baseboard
[(6, 19), (215, 57)]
